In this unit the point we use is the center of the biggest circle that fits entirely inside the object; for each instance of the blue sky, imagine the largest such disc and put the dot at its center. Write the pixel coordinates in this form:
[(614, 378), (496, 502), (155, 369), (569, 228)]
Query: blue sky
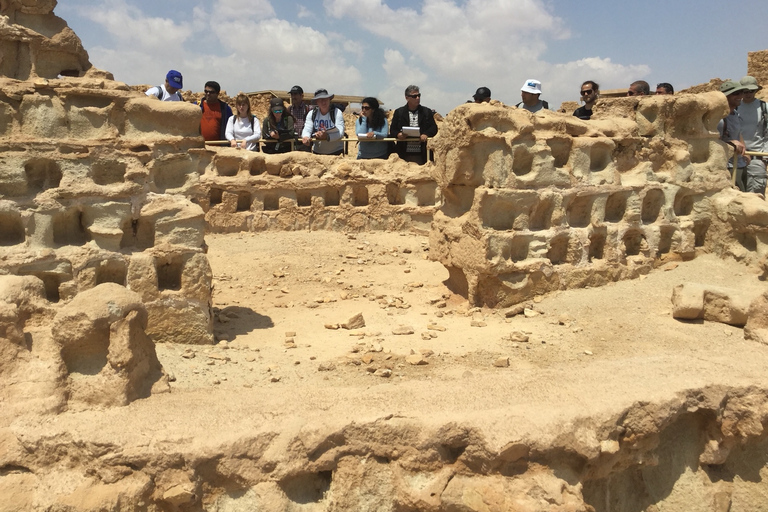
[(447, 47)]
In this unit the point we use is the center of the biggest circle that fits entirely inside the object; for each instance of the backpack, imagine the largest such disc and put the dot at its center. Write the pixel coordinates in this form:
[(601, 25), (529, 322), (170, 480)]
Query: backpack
[(331, 111), (763, 117), (159, 93)]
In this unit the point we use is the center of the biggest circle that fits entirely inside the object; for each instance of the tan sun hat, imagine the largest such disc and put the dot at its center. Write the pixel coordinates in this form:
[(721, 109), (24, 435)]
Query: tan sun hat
[(750, 83)]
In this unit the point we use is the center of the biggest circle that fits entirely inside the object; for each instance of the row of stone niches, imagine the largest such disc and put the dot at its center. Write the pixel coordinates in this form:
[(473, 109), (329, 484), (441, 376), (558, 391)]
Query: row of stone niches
[(169, 270), (418, 194), (42, 174), (69, 228), (568, 248), (510, 211)]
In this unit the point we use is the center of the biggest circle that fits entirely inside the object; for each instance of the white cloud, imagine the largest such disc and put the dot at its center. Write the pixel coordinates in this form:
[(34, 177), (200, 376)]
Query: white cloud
[(131, 28), (496, 43)]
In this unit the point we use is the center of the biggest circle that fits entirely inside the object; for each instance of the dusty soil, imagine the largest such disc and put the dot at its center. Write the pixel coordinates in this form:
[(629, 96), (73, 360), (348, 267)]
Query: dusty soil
[(589, 349)]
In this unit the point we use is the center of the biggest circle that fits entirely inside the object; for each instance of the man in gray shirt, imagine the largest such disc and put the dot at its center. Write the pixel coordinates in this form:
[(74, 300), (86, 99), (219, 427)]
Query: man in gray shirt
[(754, 127)]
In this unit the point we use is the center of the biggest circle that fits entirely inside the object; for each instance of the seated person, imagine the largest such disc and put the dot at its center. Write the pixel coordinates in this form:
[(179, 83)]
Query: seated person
[(278, 126), (243, 131), (372, 124)]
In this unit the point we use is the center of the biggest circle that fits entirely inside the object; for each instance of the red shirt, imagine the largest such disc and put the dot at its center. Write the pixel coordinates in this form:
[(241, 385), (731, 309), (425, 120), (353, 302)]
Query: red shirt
[(210, 124)]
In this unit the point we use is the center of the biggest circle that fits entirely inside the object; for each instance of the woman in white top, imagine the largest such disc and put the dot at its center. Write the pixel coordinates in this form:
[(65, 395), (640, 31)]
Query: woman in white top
[(243, 130)]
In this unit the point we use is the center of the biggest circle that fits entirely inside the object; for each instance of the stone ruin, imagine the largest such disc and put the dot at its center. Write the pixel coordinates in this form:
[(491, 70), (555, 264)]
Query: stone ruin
[(536, 203), (105, 197)]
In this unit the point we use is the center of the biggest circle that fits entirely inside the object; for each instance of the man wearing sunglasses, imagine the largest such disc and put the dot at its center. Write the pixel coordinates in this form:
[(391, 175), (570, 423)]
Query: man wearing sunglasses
[(413, 114), (216, 113), (590, 91)]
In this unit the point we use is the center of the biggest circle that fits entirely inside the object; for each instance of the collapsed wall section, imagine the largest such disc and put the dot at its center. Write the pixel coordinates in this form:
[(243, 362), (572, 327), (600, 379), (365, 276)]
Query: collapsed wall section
[(540, 202)]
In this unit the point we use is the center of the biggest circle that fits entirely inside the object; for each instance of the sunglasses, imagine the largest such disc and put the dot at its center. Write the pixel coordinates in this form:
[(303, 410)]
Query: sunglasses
[(210, 92), (414, 96), (631, 93), (277, 111), (365, 107), (586, 92)]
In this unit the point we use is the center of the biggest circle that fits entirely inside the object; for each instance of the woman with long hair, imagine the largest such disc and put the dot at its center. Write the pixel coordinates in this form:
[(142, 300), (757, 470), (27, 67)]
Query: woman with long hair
[(372, 125), (278, 126), (243, 130)]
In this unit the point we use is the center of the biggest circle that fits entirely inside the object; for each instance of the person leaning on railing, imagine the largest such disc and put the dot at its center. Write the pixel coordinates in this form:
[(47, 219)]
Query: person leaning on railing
[(372, 125), (413, 114), (243, 130), (277, 126)]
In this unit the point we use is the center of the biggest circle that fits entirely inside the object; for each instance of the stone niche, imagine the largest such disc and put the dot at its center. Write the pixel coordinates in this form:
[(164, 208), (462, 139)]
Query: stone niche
[(539, 202)]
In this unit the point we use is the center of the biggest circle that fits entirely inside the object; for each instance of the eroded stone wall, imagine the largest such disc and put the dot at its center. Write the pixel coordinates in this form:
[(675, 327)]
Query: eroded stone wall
[(299, 191), (536, 203)]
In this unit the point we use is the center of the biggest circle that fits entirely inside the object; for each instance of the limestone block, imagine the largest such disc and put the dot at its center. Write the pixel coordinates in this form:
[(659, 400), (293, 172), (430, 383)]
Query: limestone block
[(109, 357), (25, 292), (176, 220), (43, 117), (11, 331), (142, 276), (104, 221), (524, 494), (693, 301), (150, 119), (176, 320), (197, 278), (757, 323)]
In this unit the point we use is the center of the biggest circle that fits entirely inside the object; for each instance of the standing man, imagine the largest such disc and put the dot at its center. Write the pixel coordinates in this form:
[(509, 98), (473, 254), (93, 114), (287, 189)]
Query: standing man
[(325, 125), (483, 95), (639, 88), (754, 126), (590, 91), (299, 110), (415, 115), (730, 129), (530, 92), (216, 113), (170, 90)]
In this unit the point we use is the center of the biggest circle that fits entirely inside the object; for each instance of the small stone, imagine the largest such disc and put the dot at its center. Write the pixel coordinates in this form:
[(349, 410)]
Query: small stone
[(416, 360), (290, 340), (477, 323), (518, 337), (435, 327), (564, 319), (416, 285), (425, 336), (274, 378), (383, 372), (367, 358), (356, 322), (326, 367), (188, 354), (530, 313), (501, 362), (537, 299), (402, 330), (514, 311), (333, 327), (426, 352), (609, 446), (216, 382), (290, 334), (588, 352)]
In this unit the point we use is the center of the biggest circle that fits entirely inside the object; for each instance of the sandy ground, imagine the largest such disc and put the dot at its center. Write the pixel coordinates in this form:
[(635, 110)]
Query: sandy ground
[(589, 351)]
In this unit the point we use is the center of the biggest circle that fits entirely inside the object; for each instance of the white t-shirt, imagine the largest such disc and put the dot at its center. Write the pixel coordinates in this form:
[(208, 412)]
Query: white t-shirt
[(241, 129), (752, 127), (153, 91)]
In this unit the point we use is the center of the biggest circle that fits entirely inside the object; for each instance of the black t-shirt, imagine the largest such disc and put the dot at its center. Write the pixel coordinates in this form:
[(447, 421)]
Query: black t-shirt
[(583, 113)]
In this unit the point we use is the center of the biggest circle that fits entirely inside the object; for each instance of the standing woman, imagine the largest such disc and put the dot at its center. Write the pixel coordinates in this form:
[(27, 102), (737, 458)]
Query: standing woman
[(372, 124), (243, 131), (278, 126)]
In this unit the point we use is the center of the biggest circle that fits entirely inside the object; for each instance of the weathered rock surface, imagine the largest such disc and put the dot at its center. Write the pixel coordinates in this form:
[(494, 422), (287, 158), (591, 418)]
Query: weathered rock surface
[(756, 328), (693, 301)]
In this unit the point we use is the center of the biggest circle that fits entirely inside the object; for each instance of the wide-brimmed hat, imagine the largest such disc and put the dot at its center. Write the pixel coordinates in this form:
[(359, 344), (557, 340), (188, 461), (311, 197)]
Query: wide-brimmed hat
[(322, 94), (174, 78), (729, 87), (482, 92), (532, 86), (750, 83)]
